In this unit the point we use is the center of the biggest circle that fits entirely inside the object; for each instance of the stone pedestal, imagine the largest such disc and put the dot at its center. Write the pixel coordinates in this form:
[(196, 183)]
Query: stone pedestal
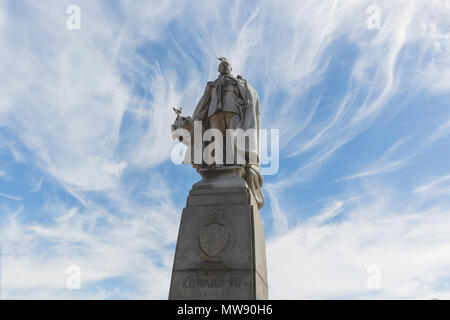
[(220, 251)]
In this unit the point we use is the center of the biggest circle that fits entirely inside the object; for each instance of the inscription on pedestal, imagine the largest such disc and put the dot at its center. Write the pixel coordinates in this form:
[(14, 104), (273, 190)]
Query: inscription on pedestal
[(192, 283)]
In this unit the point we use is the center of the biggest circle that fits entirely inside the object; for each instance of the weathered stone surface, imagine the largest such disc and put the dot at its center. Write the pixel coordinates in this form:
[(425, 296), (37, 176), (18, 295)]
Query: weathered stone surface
[(220, 251)]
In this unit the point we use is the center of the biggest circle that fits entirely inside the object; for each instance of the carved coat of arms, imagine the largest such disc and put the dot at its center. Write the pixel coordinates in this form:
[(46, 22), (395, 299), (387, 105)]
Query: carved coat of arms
[(215, 236)]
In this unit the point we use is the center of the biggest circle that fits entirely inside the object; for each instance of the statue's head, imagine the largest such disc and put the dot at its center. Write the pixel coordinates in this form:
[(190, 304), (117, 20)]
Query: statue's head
[(224, 66)]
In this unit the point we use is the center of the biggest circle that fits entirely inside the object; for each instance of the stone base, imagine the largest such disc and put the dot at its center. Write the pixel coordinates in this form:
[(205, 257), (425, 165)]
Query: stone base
[(220, 251)]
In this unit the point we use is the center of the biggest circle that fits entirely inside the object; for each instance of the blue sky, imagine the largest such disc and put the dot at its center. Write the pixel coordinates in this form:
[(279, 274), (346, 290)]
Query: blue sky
[(86, 176)]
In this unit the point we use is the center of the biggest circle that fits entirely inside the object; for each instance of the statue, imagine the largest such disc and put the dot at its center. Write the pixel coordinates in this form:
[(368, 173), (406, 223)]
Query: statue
[(220, 252), (230, 106)]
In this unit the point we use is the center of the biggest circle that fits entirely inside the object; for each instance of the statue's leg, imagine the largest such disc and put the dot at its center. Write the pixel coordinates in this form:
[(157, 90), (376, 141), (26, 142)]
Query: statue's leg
[(217, 121), (232, 121)]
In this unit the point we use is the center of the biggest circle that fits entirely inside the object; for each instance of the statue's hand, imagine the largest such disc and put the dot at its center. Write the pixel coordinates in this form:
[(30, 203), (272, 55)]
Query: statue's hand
[(184, 123), (178, 111)]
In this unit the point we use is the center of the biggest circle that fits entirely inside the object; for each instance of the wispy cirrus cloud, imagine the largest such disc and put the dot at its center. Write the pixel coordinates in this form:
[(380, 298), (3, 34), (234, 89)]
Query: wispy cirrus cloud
[(86, 117), (440, 186), (325, 258), (386, 164)]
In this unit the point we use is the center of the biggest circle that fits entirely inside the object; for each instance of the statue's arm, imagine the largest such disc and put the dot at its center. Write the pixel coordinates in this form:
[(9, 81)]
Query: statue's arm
[(202, 106), (243, 90)]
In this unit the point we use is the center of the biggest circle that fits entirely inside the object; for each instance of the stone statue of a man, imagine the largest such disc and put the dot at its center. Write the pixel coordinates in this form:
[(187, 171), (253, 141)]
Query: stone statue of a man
[(230, 103), (222, 103)]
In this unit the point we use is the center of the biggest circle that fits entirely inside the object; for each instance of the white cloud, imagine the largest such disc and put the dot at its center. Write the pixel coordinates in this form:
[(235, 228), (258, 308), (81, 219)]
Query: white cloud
[(433, 33), (134, 246), (435, 187), (64, 97), (279, 216), (2, 19), (319, 261), (387, 162), (10, 197), (68, 99), (442, 131)]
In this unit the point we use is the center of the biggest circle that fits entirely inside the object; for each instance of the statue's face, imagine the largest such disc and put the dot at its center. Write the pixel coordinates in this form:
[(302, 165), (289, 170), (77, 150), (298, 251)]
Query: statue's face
[(225, 67)]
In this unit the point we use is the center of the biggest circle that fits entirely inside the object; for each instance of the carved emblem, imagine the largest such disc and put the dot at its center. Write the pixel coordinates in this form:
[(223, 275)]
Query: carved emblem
[(216, 235)]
